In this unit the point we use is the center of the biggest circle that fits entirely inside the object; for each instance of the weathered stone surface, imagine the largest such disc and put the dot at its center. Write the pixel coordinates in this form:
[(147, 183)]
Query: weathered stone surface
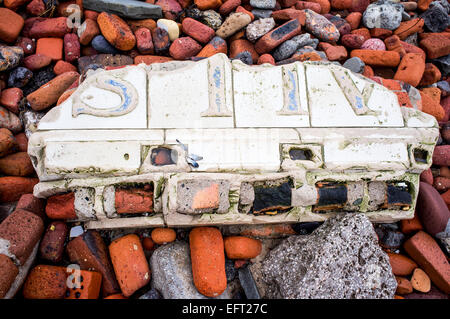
[(383, 14), (340, 259), (125, 8), (172, 273)]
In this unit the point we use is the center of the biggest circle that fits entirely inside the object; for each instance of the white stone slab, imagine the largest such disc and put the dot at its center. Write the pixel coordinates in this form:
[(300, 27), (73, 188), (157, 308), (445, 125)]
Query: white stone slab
[(111, 99), (198, 95), (98, 157), (377, 155), (234, 149), (329, 103), (267, 96)]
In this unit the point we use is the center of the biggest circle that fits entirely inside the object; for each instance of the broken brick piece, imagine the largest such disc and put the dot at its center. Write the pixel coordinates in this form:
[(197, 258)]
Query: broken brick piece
[(133, 201)]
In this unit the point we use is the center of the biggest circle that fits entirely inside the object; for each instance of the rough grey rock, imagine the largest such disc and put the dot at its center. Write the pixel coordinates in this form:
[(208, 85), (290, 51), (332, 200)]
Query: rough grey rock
[(340, 259), (285, 50), (263, 4), (258, 28), (305, 39), (125, 8), (383, 14), (212, 19), (436, 18), (30, 120), (354, 64), (172, 273)]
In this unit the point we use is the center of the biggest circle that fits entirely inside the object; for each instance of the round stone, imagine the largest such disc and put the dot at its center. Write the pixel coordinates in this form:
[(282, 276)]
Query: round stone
[(354, 64), (212, 19), (19, 77), (100, 44), (383, 14), (171, 27), (374, 44)]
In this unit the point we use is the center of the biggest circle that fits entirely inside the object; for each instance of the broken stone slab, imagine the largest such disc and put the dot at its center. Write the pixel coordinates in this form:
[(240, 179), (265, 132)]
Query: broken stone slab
[(125, 8), (311, 130), (172, 273), (339, 260)]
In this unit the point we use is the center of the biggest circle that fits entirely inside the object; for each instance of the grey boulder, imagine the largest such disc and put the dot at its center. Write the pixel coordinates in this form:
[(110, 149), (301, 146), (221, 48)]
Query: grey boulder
[(341, 260)]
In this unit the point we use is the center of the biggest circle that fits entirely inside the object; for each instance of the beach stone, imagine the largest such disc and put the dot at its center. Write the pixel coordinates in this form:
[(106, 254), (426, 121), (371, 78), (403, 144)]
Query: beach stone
[(161, 41), (354, 64), (10, 57), (36, 61), (383, 14), (125, 8), (343, 254), (10, 121), (233, 23), (342, 25), (305, 39), (285, 50), (374, 44), (258, 28), (19, 77), (263, 4), (171, 27), (436, 18), (172, 273), (262, 13), (245, 57), (321, 27), (211, 18), (101, 45)]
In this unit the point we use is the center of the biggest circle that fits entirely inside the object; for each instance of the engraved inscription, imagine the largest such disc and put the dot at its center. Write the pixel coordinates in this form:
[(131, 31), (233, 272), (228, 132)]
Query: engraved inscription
[(217, 97), (358, 100), (126, 91)]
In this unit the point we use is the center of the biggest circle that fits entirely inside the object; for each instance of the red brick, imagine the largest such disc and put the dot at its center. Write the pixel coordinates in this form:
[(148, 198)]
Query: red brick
[(240, 247), (441, 155), (268, 231), (354, 19), (289, 14), (401, 265), (129, 262), (133, 200), (184, 48), (71, 47), (277, 36), (362, 31), (266, 58), (208, 261), (36, 8), (32, 204), (49, 93), (411, 69), (116, 31), (197, 30), (28, 45), (228, 6), (45, 282), (10, 99), (441, 183), (407, 28), (380, 33), (428, 255), (163, 235), (23, 230), (10, 25), (17, 164), (377, 58), (61, 206), (51, 247), (144, 23), (90, 252), (302, 5), (431, 106), (89, 30), (49, 28), (149, 59), (208, 4), (431, 75), (241, 45), (144, 41), (8, 273), (51, 47), (404, 286), (63, 67), (216, 45), (12, 187), (90, 286), (410, 226), (436, 46), (393, 43), (431, 209)]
